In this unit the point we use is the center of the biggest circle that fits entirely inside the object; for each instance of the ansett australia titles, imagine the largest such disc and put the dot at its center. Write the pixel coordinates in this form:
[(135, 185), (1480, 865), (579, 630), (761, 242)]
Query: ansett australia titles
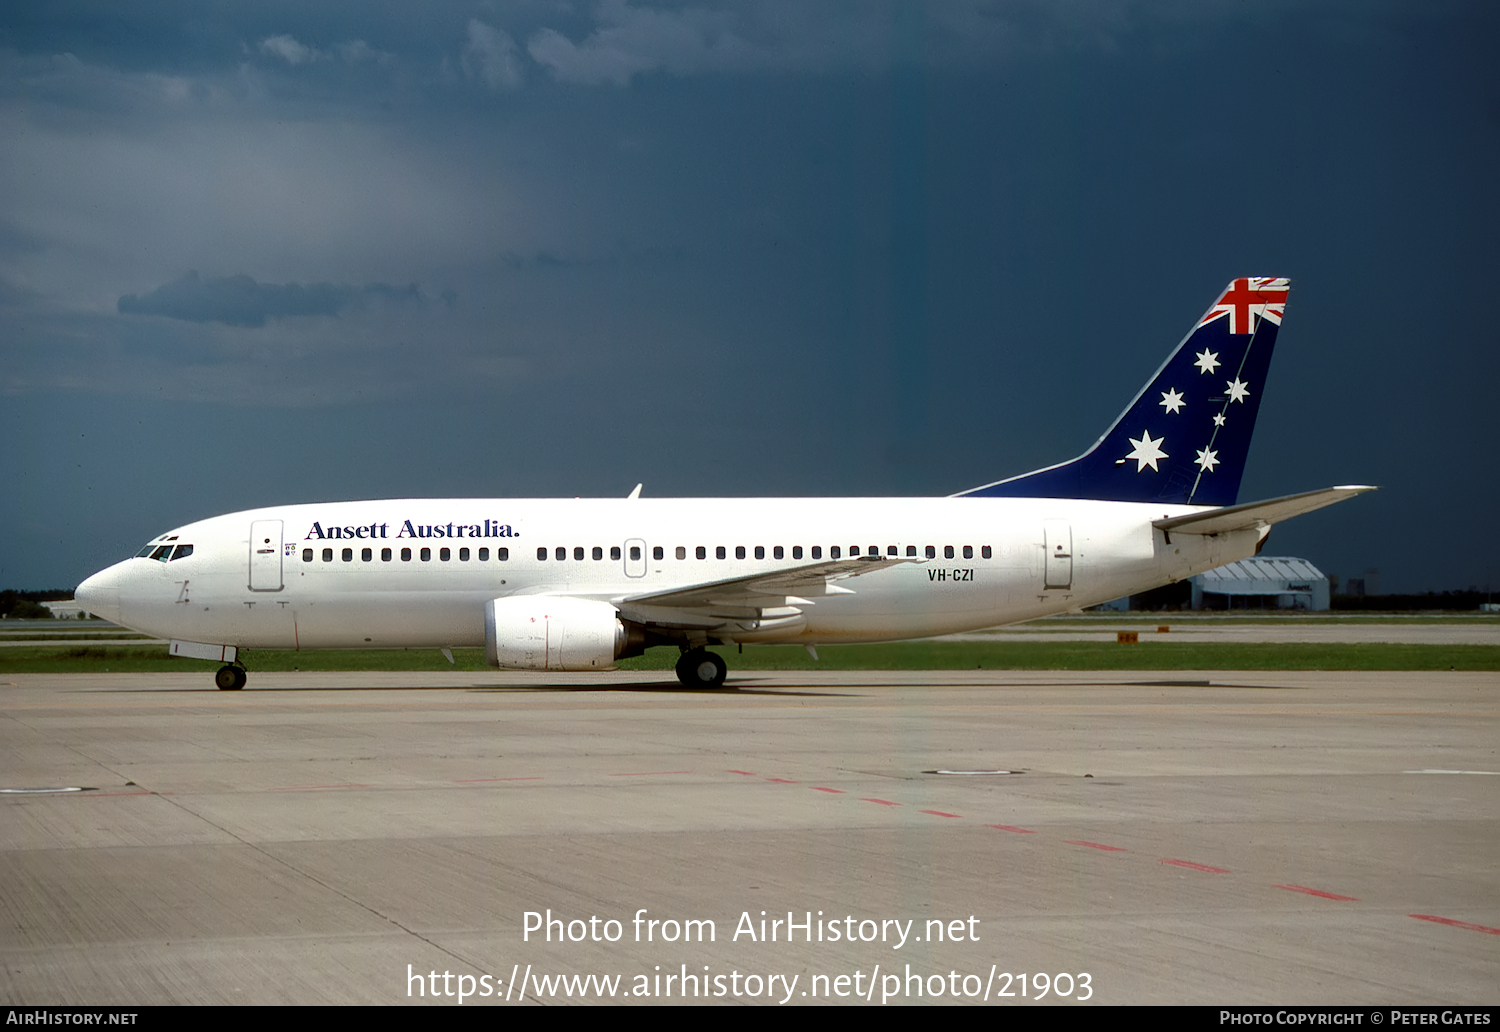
[(407, 529)]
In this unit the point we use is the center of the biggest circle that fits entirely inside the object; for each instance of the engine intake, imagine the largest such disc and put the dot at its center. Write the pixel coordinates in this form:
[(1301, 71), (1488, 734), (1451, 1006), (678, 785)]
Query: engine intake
[(553, 632)]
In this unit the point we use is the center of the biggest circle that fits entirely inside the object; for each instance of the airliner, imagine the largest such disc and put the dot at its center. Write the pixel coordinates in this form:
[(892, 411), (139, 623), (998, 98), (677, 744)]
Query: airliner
[(578, 584)]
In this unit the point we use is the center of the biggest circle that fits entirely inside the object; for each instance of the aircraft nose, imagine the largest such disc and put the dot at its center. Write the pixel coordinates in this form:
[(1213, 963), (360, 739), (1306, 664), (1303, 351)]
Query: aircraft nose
[(100, 594)]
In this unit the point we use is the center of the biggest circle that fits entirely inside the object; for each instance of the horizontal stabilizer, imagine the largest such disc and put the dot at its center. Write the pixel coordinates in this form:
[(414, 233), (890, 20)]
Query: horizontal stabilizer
[(1257, 514)]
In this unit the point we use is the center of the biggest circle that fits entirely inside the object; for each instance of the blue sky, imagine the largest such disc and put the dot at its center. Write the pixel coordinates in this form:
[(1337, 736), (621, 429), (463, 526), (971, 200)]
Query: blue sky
[(273, 252)]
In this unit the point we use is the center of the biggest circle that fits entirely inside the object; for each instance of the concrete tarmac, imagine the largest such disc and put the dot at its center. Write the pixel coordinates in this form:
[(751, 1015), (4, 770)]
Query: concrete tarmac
[(1213, 838)]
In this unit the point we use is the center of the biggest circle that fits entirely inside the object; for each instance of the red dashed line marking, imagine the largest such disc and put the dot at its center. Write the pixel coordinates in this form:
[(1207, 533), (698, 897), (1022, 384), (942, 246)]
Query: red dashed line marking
[(96, 795), (1318, 892), (1190, 865), (312, 788), (480, 781), (649, 773), (1197, 867), (1456, 924)]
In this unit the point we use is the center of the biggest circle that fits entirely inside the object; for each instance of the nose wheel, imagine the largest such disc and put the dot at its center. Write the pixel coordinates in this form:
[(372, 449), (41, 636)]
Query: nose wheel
[(700, 668), (230, 678)]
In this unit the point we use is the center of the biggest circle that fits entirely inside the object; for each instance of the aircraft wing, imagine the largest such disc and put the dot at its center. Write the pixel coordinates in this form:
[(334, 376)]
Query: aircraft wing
[(761, 599), (1256, 515)]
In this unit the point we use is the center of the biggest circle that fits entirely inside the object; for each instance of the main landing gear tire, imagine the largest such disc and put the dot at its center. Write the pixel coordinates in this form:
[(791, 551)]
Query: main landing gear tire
[(700, 668), (230, 678)]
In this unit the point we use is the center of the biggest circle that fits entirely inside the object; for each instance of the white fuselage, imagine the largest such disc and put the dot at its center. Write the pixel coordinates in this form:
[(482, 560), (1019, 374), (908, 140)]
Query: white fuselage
[(334, 576)]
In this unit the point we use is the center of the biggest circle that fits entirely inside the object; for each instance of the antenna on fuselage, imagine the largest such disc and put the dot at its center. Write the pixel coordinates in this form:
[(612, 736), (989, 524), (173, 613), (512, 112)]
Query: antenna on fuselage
[(636, 493)]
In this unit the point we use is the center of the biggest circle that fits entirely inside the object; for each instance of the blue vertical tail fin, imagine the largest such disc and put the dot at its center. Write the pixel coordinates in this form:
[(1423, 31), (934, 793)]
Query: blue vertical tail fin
[(1185, 437)]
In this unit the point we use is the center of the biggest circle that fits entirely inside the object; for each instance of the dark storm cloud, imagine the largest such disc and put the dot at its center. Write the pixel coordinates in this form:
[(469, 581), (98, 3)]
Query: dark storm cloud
[(241, 301), (765, 247)]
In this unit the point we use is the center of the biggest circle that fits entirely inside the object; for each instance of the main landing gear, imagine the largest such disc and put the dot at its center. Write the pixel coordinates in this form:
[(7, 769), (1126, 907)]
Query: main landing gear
[(700, 668), (230, 678)]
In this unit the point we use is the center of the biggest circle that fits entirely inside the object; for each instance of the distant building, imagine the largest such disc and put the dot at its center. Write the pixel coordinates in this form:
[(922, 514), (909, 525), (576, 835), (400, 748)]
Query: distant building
[(1263, 582), (66, 610)]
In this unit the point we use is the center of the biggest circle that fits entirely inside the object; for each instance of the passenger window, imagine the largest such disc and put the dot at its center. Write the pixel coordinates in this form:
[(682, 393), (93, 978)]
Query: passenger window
[(348, 555), (307, 555), (406, 555), (778, 552), (635, 553), (444, 554), (873, 550), (426, 555), (853, 551), (598, 553), (162, 553), (681, 552), (385, 555), (833, 552), (911, 550), (891, 550), (561, 553), (614, 553), (463, 555), (931, 552), (656, 552), (739, 551), (365, 555), (817, 551), (985, 551), (701, 552), (719, 552), (796, 551), (182, 552), (328, 555), (578, 553), (484, 555), (947, 551), (541, 554), (503, 554), (760, 551), (968, 551)]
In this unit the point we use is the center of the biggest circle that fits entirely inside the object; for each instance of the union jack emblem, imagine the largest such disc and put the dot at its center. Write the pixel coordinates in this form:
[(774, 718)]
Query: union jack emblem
[(1247, 299)]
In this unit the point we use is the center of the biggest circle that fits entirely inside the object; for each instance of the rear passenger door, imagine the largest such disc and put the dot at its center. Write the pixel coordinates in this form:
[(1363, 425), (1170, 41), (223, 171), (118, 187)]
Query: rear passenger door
[(1058, 535)]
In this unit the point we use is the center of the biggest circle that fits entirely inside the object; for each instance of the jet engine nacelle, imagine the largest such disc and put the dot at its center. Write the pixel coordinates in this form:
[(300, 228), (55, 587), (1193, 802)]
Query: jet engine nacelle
[(551, 632)]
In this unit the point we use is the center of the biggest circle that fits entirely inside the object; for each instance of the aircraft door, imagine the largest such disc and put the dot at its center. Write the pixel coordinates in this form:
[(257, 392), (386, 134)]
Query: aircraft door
[(635, 558), (1058, 540), (265, 555)]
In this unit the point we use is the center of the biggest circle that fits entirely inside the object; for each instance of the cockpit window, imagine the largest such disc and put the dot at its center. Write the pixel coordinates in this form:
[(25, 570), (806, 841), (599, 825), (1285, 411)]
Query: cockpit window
[(162, 553), (182, 551), (143, 553)]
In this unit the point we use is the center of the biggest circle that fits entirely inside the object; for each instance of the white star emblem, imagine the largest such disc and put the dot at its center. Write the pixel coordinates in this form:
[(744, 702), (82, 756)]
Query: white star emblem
[(1237, 390), (1171, 400), (1146, 451), (1219, 419), (1207, 363), (1207, 460)]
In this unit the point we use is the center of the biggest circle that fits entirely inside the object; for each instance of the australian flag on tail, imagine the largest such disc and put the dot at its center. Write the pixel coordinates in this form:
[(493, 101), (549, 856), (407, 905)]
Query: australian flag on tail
[(1185, 437)]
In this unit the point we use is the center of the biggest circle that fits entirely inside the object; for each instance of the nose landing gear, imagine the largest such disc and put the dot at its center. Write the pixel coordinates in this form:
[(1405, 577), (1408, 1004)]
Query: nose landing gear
[(230, 678), (700, 668)]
